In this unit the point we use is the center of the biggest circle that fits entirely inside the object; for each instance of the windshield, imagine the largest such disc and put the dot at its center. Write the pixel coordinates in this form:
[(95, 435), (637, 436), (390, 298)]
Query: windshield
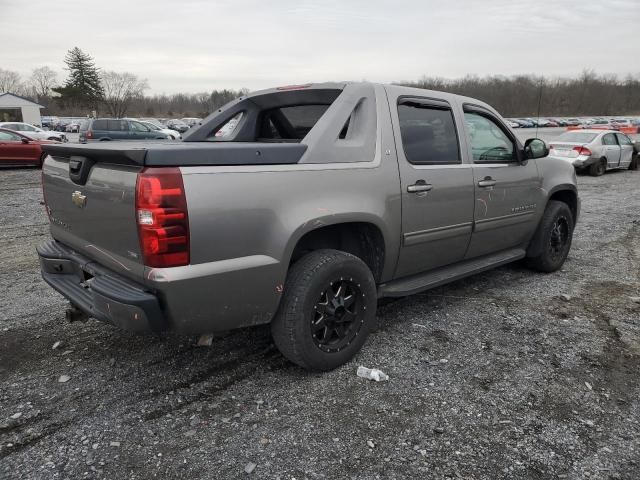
[(577, 137), (151, 125)]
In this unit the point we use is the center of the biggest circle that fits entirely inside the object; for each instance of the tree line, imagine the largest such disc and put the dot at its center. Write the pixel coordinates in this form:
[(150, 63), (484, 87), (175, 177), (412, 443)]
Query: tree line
[(527, 96), (89, 89)]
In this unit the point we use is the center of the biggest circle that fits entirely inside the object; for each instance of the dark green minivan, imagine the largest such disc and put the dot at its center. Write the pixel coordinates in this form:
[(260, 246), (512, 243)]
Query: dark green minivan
[(103, 129)]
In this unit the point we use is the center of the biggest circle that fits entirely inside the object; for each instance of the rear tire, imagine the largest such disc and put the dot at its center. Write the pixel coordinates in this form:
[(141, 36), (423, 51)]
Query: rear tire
[(598, 169), (551, 243), (327, 310)]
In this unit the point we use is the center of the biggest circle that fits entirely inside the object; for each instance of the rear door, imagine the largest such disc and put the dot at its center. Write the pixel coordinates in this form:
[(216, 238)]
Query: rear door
[(437, 187), (119, 129), (626, 149), (507, 190), (611, 150)]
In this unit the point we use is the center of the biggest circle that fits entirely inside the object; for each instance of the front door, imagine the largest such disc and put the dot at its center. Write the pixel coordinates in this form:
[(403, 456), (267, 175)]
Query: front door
[(626, 150), (138, 131), (611, 150), (437, 187), (507, 189)]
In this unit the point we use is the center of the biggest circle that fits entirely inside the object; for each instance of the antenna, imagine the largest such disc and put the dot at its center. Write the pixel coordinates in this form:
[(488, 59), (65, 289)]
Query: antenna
[(539, 102)]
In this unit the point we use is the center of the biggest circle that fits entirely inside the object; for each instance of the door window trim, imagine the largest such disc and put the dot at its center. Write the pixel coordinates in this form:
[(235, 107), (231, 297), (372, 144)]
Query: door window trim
[(435, 104), (483, 112)]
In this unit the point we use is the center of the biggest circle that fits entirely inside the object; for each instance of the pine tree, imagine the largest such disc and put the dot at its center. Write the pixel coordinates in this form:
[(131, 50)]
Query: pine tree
[(82, 87), (83, 74)]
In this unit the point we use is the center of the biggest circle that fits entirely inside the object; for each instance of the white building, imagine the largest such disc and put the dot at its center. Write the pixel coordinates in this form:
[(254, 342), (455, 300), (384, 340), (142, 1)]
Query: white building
[(14, 108)]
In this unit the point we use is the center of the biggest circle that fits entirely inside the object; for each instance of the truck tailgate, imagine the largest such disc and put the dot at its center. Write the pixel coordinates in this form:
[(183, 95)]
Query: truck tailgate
[(92, 209)]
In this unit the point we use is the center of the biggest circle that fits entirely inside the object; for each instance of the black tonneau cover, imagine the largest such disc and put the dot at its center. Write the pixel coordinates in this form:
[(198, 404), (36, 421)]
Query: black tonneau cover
[(178, 154)]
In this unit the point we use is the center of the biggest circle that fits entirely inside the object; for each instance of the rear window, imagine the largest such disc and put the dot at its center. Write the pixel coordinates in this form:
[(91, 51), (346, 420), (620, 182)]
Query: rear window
[(290, 123), (577, 137)]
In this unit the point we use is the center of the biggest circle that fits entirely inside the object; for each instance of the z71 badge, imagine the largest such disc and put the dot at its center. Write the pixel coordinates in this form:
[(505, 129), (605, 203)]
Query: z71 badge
[(524, 208)]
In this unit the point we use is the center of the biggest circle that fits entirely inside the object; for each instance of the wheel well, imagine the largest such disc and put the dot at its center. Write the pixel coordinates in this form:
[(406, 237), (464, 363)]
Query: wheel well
[(570, 198), (364, 240)]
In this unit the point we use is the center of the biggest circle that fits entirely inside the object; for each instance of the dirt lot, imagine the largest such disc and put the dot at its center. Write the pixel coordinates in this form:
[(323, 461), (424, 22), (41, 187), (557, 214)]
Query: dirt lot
[(508, 374)]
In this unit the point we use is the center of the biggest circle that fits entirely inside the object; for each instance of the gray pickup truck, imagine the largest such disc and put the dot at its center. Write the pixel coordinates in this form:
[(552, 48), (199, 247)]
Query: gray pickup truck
[(300, 206)]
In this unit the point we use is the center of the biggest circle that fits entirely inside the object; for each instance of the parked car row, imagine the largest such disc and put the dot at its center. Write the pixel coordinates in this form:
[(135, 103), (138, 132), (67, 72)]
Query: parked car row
[(598, 122), (33, 132), (62, 124)]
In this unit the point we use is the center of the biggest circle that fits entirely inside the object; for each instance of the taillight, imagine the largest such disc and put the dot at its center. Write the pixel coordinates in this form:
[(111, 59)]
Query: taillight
[(583, 151), (89, 134), (161, 213)]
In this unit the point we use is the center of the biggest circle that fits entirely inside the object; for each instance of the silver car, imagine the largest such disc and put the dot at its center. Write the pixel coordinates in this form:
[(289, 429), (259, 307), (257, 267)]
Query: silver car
[(595, 151), (34, 132)]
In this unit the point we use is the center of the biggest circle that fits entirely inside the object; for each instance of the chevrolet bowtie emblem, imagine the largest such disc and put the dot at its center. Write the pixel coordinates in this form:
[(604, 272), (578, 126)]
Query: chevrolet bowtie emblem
[(79, 199)]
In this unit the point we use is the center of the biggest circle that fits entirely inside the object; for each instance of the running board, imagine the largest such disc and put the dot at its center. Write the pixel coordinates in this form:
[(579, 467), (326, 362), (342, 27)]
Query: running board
[(424, 281)]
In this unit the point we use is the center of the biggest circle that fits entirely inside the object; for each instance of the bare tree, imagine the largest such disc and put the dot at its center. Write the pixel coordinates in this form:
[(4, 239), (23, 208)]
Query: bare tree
[(120, 89), (42, 80), (10, 82)]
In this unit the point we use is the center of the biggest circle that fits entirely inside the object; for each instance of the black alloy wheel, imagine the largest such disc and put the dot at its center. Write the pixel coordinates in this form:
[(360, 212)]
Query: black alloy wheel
[(338, 316)]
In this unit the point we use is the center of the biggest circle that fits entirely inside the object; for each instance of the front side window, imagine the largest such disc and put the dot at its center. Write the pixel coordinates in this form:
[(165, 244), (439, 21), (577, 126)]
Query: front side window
[(609, 139), (10, 136), (138, 127), (623, 139), (489, 143), (28, 128), (428, 134)]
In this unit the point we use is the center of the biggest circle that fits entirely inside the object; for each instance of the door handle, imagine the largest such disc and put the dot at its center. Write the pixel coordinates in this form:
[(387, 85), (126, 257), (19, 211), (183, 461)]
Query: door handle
[(487, 182), (419, 186)]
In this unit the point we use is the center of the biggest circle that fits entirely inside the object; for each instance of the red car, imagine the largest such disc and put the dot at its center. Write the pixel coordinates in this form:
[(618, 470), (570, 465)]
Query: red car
[(17, 149)]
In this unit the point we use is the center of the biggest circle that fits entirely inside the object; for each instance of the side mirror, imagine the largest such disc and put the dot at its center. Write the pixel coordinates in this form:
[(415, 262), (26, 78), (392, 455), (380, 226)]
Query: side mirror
[(25, 140), (535, 148)]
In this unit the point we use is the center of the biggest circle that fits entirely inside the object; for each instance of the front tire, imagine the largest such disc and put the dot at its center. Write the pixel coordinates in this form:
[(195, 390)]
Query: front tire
[(551, 243), (634, 162), (327, 310)]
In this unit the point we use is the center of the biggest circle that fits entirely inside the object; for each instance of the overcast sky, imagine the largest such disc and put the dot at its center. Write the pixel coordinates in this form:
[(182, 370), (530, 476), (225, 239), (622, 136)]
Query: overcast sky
[(199, 45)]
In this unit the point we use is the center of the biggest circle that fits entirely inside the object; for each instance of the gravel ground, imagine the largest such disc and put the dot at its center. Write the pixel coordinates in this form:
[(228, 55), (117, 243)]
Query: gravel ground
[(508, 374)]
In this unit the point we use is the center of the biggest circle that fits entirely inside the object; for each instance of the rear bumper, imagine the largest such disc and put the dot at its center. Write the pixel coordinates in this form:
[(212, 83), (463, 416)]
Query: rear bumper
[(99, 292)]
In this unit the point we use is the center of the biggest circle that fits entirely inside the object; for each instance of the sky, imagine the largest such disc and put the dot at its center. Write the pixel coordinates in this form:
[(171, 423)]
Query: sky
[(200, 45)]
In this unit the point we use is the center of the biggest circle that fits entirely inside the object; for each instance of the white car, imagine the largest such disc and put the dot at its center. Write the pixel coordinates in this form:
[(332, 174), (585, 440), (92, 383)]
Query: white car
[(34, 132), (158, 127)]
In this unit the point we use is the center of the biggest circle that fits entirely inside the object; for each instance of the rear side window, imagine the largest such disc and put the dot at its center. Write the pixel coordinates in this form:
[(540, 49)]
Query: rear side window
[(290, 123), (609, 139), (428, 134), (117, 125), (100, 125), (226, 130)]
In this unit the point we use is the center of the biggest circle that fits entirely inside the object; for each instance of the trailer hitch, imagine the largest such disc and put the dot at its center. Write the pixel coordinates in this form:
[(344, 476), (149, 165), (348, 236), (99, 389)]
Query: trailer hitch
[(74, 314)]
